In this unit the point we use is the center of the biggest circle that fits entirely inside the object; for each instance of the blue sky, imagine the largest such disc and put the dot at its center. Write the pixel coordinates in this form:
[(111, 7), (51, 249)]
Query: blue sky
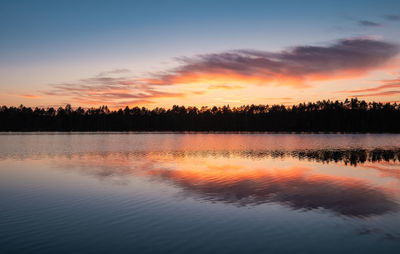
[(43, 43)]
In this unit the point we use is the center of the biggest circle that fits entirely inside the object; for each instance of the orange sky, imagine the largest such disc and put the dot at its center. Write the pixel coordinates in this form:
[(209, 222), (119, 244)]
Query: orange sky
[(203, 54)]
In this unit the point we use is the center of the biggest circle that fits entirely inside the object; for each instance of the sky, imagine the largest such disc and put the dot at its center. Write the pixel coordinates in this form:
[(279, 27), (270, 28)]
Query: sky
[(197, 53)]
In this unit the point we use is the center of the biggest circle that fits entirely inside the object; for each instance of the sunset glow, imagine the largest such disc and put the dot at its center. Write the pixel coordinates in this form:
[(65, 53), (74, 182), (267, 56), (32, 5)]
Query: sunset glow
[(211, 60)]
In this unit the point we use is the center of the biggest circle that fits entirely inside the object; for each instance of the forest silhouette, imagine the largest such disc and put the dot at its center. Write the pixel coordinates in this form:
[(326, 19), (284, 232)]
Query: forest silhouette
[(351, 115)]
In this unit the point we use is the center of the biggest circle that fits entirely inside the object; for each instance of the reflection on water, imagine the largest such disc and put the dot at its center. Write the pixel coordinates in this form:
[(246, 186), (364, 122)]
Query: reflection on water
[(293, 187), (208, 176), (286, 189)]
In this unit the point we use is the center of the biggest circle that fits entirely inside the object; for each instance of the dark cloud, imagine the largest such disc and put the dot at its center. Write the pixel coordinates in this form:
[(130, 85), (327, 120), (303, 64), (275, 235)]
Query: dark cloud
[(368, 23), (392, 17), (233, 69), (345, 57)]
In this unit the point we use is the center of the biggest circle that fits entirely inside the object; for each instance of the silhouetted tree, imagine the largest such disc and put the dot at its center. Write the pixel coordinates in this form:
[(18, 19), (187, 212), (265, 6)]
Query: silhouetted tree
[(351, 115)]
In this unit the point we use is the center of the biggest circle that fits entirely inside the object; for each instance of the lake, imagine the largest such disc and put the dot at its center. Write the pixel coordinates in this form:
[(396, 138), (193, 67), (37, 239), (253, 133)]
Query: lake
[(199, 193)]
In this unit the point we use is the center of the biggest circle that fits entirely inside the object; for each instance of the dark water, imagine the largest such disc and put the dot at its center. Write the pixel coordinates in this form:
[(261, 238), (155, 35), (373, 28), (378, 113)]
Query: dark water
[(199, 193)]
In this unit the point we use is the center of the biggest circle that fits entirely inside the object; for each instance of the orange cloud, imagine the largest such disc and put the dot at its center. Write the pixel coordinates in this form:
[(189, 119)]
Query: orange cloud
[(224, 86), (296, 67), (30, 96), (387, 84), (385, 93), (113, 91), (378, 90)]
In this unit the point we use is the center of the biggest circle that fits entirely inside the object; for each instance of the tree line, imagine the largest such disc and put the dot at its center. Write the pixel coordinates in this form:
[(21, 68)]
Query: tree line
[(322, 116)]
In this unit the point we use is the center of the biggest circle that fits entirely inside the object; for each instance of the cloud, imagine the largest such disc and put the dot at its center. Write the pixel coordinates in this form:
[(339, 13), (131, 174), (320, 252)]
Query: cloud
[(392, 17), (115, 71), (112, 91), (373, 89), (282, 98), (224, 86), (293, 67), (30, 96), (199, 92), (385, 93), (378, 90), (368, 23)]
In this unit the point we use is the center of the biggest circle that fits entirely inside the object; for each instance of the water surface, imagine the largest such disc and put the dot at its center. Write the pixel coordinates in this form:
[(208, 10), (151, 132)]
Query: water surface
[(199, 193)]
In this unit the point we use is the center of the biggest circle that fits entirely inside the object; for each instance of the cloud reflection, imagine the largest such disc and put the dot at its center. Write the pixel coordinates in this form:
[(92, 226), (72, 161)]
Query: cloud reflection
[(294, 187), (240, 180)]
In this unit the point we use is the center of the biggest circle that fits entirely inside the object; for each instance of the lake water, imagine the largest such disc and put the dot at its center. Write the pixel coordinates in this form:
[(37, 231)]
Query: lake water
[(199, 193)]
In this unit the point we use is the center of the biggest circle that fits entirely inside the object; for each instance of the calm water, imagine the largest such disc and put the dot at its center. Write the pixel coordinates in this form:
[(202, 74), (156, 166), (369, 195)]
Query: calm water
[(199, 193)]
